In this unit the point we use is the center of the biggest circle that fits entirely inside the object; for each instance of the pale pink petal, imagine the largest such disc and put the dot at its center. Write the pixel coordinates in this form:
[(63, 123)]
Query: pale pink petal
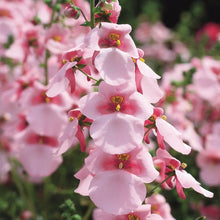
[(39, 160), (117, 192), (188, 181), (154, 217), (58, 83), (89, 104), (115, 66), (149, 173), (68, 136), (151, 90), (172, 136), (117, 133), (109, 90), (83, 187), (210, 174), (47, 119), (99, 214), (146, 70)]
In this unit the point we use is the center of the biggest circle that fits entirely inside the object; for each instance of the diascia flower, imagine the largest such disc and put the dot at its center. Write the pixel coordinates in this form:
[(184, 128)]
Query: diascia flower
[(165, 131), (112, 35), (118, 113), (168, 164), (115, 182)]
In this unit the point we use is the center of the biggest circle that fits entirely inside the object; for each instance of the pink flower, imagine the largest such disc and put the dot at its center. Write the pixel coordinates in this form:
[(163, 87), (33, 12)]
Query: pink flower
[(181, 178), (73, 131), (146, 80), (159, 206), (210, 30), (137, 162), (165, 131), (116, 110), (46, 119), (36, 153), (101, 172), (117, 191), (4, 167), (143, 212), (209, 159), (62, 79), (110, 11), (112, 35)]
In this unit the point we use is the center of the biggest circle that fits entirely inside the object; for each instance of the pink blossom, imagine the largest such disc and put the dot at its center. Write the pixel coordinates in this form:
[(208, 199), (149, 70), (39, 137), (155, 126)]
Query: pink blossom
[(73, 131), (165, 131), (106, 187), (116, 109), (36, 153), (209, 159), (46, 119), (60, 81), (4, 167), (159, 206), (146, 80), (137, 162), (110, 11), (181, 178), (112, 35)]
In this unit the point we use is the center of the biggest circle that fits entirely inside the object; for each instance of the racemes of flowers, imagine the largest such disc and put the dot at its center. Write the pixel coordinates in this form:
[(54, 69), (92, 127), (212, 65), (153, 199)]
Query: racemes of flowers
[(120, 115), (100, 78)]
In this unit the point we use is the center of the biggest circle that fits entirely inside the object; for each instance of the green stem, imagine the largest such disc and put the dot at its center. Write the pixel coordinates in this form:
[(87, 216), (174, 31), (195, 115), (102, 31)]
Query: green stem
[(92, 13), (85, 73), (89, 211), (47, 55), (26, 196), (83, 15), (159, 184)]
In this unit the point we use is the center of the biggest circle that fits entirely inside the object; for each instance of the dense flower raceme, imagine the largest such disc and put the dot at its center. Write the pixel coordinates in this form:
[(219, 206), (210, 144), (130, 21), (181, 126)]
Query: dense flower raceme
[(31, 122), (118, 114), (200, 104), (159, 42)]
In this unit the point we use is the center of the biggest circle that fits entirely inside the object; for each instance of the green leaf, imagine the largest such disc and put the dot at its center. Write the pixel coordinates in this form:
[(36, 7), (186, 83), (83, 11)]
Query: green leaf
[(98, 82), (86, 24)]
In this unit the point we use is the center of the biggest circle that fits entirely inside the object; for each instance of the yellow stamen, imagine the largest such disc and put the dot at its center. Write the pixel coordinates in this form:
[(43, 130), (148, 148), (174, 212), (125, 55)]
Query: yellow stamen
[(71, 119), (134, 60), (171, 166), (154, 208), (47, 99), (118, 42), (143, 60), (117, 99), (183, 165), (4, 13), (118, 108), (40, 141), (133, 217), (72, 59), (114, 36), (123, 157), (120, 166), (56, 38), (64, 61), (164, 117)]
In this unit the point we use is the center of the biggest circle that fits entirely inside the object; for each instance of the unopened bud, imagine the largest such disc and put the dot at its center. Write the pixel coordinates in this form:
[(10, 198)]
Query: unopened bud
[(107, 6)]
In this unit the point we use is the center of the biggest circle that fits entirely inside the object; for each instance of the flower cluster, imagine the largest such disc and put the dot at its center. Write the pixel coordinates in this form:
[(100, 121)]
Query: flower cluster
[(71, 84)]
